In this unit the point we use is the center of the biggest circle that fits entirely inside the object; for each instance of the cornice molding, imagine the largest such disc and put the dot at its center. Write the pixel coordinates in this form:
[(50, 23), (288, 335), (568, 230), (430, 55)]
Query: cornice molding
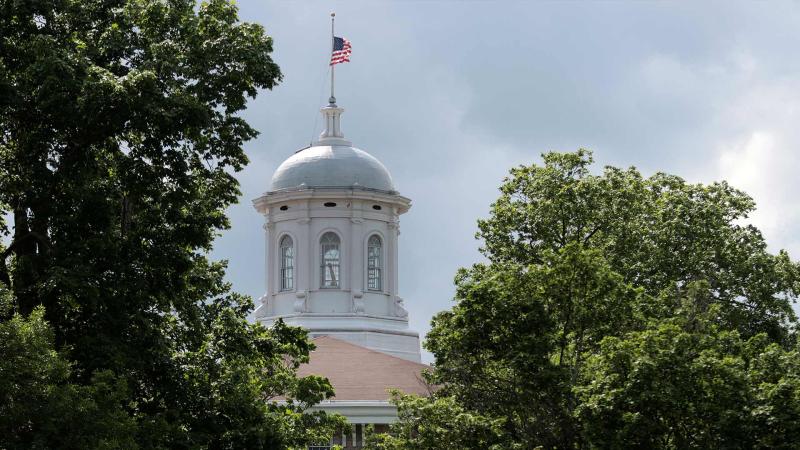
[(266, 201)]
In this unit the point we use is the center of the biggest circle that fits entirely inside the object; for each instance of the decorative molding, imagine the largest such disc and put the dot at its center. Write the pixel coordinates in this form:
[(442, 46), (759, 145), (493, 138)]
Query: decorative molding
[(396, 203), (313, 316), (304, 220), (358, 302), (399, 308), (331, 330), (300, 302), (360, 412), (262, 310)]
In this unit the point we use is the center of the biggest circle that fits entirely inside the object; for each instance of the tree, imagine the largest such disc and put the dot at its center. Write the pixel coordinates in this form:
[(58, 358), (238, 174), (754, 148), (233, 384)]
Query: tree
[(655, 232), (40, 407), (581, 269), (119, 137), (515, 343), (441, 423), (684, 382)]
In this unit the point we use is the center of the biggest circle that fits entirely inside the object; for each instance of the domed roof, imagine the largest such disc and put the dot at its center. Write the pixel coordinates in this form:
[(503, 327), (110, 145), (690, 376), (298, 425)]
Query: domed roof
[(332, 162), (332, 166)]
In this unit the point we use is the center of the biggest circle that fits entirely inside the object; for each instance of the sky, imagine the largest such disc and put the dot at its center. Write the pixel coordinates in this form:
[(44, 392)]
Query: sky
[(450, 95)]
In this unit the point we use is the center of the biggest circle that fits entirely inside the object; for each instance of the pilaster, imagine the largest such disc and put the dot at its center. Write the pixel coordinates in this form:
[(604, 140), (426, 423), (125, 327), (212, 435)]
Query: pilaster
[(392, 259), (357, 258)]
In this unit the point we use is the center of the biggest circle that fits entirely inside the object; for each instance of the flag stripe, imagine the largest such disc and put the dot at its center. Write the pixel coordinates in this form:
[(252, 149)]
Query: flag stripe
[(341, 51)]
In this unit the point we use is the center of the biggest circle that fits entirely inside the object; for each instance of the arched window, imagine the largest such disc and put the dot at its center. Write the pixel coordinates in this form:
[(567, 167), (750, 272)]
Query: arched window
[(329, 245), (287, 263), (374, 263)]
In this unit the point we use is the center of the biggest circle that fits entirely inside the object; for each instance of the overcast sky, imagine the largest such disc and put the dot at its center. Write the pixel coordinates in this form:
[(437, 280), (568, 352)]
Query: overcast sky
[(450, 95)]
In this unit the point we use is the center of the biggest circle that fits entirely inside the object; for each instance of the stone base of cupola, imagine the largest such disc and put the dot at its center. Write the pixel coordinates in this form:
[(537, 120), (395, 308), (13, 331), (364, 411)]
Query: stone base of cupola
[(404, 346), (387, 335)]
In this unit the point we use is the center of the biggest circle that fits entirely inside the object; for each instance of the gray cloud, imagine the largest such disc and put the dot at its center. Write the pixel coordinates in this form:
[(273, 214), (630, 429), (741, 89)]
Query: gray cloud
[(449, 95)]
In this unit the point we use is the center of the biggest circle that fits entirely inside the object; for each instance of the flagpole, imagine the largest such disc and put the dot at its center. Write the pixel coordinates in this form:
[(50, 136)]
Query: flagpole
[(332, 100)]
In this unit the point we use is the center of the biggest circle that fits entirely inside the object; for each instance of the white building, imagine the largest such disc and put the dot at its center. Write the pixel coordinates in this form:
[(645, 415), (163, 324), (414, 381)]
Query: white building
[(332, 227)]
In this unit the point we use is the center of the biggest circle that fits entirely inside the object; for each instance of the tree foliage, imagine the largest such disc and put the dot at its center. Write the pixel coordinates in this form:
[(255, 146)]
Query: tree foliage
[(614, 310), (439, 423), (656, 232), (119, 138), (684, 382), (40, 407)]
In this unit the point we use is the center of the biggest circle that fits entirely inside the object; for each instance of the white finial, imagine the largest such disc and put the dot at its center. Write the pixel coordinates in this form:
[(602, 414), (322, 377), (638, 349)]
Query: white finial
[(332, 134)]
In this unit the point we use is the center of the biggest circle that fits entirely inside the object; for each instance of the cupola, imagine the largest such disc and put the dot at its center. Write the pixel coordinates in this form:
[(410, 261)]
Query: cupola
[(332, 226)]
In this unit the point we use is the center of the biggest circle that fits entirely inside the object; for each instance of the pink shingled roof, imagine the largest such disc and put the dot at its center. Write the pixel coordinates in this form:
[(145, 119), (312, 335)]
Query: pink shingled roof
[(358, 373)]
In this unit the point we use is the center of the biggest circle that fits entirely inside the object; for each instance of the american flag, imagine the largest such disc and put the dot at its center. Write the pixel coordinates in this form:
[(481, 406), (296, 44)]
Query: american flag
[(341, 51)]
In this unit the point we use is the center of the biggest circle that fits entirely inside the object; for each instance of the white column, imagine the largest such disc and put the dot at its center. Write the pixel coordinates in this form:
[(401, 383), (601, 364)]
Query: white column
[(356, 259), (306, 261), (270, 276), (392, 258), (356, 251), (267, 299), (304, 250)]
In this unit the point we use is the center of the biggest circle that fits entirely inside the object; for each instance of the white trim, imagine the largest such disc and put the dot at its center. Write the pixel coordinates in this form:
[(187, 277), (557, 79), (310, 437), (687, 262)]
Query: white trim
[(268, 199), (362, 412)]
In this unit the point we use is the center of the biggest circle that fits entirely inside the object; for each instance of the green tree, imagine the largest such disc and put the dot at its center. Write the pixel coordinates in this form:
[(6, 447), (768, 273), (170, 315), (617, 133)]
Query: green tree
[(119, 138), (515, 342), (655, 232), (684, 382), (577, 260), (40, 407), (440, 423)]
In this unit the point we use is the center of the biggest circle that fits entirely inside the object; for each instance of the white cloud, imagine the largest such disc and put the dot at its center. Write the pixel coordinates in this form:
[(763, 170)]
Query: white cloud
[(758, 151), (764, 164), (745, 118)]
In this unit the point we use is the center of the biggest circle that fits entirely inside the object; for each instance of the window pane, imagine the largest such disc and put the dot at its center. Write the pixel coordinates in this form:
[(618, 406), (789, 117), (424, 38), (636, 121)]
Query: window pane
[(329, 245), (287, 264), (374, 264)]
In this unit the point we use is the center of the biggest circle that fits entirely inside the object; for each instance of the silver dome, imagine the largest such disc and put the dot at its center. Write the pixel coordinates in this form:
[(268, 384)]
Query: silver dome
[(332, 166)]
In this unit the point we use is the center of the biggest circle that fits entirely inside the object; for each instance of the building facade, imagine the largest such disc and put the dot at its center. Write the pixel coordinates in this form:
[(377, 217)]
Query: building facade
[(331, 217)]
